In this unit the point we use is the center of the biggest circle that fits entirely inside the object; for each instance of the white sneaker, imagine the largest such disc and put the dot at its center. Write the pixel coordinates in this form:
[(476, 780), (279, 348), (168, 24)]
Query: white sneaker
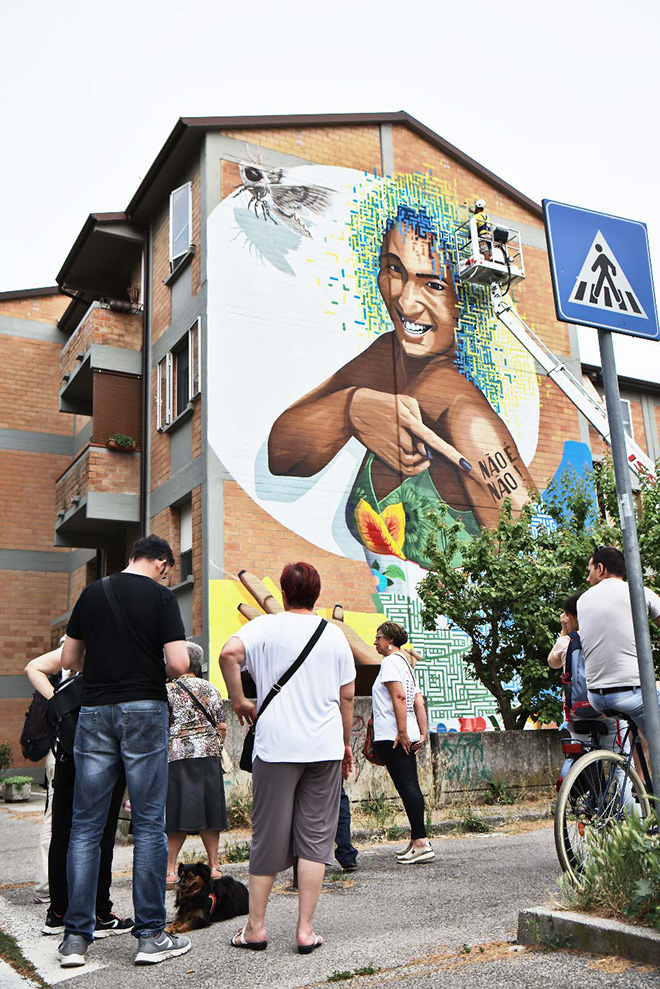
[(425, 854)]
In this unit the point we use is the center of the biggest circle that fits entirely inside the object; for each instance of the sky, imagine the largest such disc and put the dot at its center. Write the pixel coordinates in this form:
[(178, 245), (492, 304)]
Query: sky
[(559, 100)]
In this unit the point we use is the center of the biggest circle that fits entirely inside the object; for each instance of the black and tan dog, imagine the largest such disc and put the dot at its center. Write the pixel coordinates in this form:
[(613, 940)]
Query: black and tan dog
[(201, 901)]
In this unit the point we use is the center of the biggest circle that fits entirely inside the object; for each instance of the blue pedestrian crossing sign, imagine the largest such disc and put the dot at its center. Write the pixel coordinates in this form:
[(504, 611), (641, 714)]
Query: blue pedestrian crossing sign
[(601, 270)]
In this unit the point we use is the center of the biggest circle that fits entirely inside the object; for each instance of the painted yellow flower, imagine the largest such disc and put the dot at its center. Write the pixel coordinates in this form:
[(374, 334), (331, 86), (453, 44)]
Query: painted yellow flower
[(382, 533)]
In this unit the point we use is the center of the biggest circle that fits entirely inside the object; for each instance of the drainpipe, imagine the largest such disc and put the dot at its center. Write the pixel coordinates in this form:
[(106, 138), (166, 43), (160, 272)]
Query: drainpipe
[(144, 442)]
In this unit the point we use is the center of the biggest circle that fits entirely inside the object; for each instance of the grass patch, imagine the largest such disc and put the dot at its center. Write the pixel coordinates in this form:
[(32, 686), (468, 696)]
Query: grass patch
[(12, 954), (499, 793), (190, 857), (621, 876), (472, 823), (237, 851), (239, 808), (343, 976)]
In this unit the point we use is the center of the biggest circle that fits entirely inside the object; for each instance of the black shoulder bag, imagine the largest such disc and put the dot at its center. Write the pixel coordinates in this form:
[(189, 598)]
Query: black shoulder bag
[(248, 745)]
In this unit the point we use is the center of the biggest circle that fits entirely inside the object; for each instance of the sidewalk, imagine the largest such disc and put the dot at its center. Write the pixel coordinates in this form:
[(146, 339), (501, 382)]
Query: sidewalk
[(412, 923)]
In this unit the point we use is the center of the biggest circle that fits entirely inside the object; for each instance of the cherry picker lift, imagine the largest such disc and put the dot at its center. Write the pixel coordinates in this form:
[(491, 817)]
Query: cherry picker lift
[(492, 255)]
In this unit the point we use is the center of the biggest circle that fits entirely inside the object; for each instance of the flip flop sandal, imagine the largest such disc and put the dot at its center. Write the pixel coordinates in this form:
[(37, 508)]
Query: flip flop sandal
[(306, 949), (238, 941), (171, 880), (216, 874)]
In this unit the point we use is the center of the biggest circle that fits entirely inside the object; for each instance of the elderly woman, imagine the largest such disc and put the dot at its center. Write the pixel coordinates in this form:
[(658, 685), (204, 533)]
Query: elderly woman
[(195, 791), (302, 747), (400, 729)]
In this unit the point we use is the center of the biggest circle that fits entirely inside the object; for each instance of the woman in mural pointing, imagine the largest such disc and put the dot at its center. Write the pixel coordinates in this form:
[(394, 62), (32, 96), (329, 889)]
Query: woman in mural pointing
[(433, 439)]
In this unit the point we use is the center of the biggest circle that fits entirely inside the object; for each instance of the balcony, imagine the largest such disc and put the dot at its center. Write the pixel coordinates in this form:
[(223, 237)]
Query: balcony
[(106, 341), (97, 498)]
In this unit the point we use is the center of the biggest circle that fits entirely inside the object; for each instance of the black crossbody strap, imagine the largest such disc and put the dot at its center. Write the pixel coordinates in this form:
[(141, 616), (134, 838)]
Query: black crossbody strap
[(207, 714), (120, 617), (275, 689)]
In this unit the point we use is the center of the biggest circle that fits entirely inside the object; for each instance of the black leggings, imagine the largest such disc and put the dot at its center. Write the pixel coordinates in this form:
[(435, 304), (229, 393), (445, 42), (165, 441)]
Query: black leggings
[(403, 770), (63, 784)]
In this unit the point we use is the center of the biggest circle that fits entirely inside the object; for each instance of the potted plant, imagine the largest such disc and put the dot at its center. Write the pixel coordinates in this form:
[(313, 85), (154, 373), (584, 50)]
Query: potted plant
[(121, 442), (16, 788)]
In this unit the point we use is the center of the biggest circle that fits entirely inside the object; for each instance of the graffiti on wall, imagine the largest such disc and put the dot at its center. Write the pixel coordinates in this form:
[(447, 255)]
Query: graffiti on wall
[(360, 385)]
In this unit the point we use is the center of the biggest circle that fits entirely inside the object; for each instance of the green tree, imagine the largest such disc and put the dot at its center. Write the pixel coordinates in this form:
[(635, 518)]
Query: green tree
[(507, 593)]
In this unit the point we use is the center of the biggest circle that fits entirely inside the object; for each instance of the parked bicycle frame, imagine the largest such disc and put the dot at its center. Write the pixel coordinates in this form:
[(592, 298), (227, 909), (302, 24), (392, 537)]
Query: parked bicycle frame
[(600, 787)]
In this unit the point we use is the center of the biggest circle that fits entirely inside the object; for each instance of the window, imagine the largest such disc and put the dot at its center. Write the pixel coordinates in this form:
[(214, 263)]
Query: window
[(627, 417), (186, 541), (179, 377), (180, 227)]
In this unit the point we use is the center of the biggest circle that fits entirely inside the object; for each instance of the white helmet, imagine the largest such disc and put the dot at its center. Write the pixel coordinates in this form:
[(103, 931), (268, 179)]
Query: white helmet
[(480, 204)]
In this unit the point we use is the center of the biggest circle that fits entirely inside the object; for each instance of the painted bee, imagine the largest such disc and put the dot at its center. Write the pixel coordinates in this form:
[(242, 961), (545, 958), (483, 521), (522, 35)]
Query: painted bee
[(281, 202)]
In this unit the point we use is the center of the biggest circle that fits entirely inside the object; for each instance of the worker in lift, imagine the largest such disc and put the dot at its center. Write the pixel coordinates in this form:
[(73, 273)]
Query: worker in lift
[(484, 229)]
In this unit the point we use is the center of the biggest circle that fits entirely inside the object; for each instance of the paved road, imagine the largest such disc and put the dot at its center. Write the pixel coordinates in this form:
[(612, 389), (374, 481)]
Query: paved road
[(413, 923)]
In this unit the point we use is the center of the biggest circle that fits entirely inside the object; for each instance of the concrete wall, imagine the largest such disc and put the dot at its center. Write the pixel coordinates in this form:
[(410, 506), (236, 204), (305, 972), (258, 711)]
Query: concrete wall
[(451, 766)]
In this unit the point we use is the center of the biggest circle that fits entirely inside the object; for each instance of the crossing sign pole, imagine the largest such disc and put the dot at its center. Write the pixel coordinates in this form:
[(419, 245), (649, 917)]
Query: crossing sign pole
[(601, 273), (631, 551)]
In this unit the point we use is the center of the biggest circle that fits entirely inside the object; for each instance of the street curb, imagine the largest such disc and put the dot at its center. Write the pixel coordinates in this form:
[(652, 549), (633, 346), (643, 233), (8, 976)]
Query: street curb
[(598, 935)]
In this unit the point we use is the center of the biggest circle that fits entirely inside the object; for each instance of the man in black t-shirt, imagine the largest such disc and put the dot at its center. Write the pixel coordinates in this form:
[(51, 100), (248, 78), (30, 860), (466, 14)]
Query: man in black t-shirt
[(117, 633)]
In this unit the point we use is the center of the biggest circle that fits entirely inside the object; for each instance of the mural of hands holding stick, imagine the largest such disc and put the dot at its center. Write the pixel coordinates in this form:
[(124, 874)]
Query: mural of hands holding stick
[(363, 653), (433, 441)]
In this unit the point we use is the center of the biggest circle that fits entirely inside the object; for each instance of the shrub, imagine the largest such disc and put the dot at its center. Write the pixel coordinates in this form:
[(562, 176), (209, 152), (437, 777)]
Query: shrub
[(621, 876), (17, 780), (6, 756), (239, 807), (379, 808)]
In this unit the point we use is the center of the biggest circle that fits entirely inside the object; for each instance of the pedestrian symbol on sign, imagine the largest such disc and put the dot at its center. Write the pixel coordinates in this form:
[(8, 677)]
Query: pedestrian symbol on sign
[(603, 284)]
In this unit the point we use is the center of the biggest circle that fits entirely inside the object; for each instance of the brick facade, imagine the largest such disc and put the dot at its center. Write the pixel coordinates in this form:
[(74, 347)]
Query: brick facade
[(102, 326)]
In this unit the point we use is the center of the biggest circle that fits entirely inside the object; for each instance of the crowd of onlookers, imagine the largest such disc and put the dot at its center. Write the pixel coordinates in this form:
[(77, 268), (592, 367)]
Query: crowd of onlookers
[(131, 709)]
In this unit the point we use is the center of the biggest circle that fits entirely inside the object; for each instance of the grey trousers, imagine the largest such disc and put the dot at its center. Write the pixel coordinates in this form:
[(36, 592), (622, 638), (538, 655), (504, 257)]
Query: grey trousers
[(295, 808)]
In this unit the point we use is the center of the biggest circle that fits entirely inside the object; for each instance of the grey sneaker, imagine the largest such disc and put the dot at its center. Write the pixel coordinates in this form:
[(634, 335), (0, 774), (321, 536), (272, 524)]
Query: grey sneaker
[(156, 948), (72, 950)]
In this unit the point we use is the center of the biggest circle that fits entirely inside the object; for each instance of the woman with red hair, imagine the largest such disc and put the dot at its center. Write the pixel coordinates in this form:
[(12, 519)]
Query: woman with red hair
[(301, 749)]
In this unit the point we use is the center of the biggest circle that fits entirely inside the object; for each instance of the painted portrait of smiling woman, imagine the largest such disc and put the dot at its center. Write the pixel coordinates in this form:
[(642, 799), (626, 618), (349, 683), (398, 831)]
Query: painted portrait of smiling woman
[(432, 439)]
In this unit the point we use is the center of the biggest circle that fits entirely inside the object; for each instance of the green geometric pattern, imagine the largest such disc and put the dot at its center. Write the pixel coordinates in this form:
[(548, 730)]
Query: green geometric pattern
[(442, 676)]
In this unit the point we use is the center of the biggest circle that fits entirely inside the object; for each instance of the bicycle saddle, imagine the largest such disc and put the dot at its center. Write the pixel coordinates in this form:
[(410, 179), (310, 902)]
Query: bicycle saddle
[(590, 727)]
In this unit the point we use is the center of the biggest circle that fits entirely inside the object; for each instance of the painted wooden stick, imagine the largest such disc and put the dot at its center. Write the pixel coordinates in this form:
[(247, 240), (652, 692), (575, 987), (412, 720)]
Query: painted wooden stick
[(260, 593)]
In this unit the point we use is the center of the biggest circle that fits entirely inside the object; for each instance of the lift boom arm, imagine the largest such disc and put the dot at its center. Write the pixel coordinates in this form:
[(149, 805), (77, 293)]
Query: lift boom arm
[(594, 413)]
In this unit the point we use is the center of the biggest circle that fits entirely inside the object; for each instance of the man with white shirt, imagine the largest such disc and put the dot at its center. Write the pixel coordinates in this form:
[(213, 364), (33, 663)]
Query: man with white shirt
[(608, 637)]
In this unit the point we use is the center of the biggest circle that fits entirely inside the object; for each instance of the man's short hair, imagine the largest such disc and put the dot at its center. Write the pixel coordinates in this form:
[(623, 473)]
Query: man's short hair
[(570, 604), (611, 558), (302, 585), (196, 657), (152, 548)]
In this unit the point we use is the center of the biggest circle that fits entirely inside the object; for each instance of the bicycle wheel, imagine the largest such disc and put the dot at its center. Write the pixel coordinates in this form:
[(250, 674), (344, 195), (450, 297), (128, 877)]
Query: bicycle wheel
[(596, 790)]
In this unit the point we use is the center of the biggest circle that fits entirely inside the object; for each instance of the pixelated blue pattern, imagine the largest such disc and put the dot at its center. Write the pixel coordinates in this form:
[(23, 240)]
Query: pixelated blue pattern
[(421, 203)]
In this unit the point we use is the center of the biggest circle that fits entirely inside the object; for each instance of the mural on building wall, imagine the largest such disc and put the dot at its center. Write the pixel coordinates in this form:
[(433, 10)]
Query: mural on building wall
[(360, 386)]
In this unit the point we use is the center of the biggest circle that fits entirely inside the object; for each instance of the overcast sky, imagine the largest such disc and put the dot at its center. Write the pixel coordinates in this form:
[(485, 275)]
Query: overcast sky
[(560, 99)]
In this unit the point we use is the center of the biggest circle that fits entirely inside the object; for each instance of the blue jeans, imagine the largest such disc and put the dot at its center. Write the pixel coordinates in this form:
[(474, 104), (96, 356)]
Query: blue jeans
[(627, 703), (133, 734), (345, 853)]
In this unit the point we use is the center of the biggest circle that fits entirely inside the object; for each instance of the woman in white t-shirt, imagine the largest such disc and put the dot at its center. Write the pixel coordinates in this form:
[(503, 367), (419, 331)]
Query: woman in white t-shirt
[(301, 748), (400, 729)]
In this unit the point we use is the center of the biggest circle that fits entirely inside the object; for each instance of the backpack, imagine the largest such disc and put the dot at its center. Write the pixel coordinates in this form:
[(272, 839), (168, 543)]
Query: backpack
[(38, 735), (63, 709), (574, 679)]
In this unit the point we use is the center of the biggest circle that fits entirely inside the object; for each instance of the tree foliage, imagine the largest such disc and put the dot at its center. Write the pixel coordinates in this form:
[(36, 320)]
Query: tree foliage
[(507, 593)]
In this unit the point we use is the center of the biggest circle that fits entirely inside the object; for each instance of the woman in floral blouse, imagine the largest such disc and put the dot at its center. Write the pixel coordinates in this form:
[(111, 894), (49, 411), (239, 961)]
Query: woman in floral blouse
[(195, 792)]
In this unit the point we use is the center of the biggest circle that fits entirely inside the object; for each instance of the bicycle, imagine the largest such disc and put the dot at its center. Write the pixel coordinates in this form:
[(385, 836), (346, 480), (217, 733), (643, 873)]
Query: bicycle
[(600, 787)]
